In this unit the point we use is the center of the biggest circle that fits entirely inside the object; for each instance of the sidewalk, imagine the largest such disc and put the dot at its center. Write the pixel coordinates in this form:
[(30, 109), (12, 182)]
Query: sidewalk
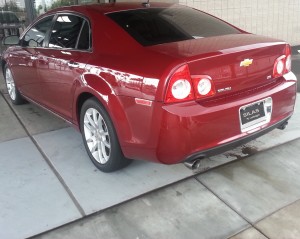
[(48, 182)]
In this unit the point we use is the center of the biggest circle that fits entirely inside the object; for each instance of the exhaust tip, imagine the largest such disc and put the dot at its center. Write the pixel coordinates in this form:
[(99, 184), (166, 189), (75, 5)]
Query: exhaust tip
[(283, 125), (194, 164)]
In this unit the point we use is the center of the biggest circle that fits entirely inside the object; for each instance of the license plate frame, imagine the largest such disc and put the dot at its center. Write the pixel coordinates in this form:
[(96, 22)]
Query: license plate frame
[(256, 114)]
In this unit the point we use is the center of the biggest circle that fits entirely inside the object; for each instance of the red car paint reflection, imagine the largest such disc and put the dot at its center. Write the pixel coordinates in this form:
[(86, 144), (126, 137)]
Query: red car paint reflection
[(164, 83)]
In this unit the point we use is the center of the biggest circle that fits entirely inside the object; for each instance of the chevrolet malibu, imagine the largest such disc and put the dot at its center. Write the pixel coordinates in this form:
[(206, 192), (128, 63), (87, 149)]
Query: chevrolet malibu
[(164, 83)]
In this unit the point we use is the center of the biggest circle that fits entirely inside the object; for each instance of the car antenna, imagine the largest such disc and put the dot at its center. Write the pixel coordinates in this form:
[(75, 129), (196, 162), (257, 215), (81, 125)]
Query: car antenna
[(146, 4)]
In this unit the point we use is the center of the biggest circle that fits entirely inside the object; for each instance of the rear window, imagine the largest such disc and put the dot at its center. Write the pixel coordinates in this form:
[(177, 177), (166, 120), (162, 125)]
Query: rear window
[(8, 17), (153, 26)]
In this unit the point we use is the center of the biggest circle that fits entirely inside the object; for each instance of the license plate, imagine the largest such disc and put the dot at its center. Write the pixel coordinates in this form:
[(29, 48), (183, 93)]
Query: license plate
[(255, 115)]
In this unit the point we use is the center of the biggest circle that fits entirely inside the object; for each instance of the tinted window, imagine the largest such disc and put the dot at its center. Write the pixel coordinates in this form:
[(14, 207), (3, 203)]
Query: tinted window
[(84, 39), (8, 17), (36, 35), (155, 26), (66, 31)]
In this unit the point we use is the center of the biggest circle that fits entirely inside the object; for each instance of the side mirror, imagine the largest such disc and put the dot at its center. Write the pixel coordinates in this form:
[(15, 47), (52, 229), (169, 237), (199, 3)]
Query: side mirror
[(11, 40)]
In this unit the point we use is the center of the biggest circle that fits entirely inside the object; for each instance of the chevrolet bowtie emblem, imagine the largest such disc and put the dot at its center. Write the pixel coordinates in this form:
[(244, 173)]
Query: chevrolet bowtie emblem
[(246, 62)]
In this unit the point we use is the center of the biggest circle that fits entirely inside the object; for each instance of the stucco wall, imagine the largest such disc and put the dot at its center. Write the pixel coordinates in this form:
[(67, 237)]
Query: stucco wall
[(275, 18)]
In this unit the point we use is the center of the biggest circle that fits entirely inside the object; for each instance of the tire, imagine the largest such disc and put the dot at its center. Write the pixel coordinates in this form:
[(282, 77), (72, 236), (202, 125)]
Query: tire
[(100, 138), (14, 94)]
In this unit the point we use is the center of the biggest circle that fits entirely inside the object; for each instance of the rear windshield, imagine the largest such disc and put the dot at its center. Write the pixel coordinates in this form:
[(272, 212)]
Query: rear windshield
[(153, 26), (8, 17)]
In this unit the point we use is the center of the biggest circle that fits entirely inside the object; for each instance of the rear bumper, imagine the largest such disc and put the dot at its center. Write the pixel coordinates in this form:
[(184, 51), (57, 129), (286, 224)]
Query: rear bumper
[(184, 131), (235, 143)]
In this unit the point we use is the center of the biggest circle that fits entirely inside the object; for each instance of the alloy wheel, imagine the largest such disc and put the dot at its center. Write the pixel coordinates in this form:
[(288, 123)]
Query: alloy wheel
[(10, 84), (97, 136)]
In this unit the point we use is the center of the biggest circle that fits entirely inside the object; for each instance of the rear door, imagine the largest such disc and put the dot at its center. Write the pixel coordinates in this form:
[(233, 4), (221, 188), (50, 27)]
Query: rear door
[(63, 62)]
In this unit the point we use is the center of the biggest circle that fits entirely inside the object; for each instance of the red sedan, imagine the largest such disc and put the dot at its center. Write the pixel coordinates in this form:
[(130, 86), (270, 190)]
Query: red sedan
[(164, 83)]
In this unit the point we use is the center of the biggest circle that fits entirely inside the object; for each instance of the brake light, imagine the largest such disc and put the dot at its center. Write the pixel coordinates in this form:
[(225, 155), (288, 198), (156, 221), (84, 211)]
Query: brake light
[(183, 87), (180, 86), (283, 64), (288, 62), (203, 86), (279, 66)]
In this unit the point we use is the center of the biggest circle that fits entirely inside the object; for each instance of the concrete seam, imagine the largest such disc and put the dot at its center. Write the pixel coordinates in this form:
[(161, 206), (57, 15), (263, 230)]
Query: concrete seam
[(233, 209), (197, 173), (53, 169), (272, 213)]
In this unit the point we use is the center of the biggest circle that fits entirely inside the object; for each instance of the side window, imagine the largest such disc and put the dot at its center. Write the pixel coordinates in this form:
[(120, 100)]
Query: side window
[(84, 42), (36, 35), (66, 31)]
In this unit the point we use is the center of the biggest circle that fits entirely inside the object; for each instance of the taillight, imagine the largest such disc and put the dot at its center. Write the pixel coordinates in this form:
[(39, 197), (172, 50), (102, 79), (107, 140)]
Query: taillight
[(288, 61), (180, 86), (203, 86), (283, 64), (279, 66), (288, 64), (183, 87)]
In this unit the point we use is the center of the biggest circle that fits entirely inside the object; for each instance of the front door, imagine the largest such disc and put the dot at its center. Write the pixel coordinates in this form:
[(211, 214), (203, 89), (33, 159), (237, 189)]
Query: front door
[(24, 61), (63, 62)]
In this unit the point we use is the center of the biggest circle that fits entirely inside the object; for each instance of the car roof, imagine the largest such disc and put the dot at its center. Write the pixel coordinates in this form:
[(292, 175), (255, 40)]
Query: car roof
[(114, 7)]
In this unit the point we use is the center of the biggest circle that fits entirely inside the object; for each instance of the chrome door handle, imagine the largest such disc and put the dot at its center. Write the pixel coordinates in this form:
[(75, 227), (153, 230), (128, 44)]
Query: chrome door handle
[(33, 58), (73, 64)]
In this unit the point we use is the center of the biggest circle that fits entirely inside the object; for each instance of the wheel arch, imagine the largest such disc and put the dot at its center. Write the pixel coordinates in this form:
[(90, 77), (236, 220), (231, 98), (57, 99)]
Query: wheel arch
[(110, 102), (80, 100), (3, 63)]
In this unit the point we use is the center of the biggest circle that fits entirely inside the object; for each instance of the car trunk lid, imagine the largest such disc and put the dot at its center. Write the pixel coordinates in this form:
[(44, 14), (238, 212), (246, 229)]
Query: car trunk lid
[(235, 62)]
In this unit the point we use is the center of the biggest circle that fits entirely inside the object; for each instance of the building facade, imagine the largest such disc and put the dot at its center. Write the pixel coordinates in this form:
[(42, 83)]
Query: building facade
[(275, 18)]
